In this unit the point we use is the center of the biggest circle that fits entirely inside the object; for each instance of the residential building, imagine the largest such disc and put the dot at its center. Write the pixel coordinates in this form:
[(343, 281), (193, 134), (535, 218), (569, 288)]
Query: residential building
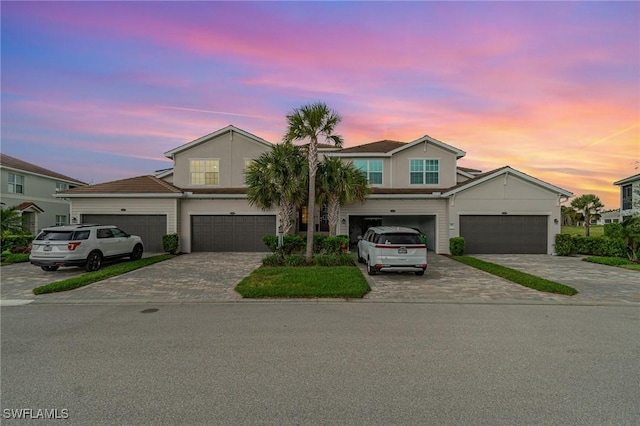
[(31, 188), (418, 184), (629, 195)]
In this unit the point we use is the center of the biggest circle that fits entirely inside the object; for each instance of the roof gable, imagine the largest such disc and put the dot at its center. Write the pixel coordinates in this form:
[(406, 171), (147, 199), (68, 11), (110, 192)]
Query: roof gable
[(21, 165), (484, 177), (428, 139), (229, 129)]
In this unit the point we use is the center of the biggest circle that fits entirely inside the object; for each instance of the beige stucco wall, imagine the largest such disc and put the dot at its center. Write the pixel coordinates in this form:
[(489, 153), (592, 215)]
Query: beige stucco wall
[(192, 207), (403, 207), (231, 148), (166, 206), (400, 165), (506, 194)]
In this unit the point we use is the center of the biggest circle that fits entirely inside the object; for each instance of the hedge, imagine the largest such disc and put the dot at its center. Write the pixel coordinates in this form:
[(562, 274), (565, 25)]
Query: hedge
[(567, 245), (11, 241)]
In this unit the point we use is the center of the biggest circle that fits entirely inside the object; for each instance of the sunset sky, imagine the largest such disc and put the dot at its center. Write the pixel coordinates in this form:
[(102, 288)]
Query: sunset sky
[(100, 90)]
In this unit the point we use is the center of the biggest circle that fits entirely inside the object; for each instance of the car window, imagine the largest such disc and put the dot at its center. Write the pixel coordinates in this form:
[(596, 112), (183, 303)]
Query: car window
[(81, 235), (55, 235), (105, 233), (119, 233), (400, 238)]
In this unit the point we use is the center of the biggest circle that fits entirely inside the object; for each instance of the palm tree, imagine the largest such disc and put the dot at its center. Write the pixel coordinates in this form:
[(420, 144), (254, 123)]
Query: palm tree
[(311, 122), (339, 183), (589, 205), (569, 215), (11, 222), (278, 178)]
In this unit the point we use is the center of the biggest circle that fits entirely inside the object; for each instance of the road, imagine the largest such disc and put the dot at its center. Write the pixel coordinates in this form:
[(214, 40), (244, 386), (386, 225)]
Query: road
[(322, 363)]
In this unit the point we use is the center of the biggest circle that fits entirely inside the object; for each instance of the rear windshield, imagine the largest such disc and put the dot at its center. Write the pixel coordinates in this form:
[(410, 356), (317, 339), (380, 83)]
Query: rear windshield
[(399, 238), (63, 235)]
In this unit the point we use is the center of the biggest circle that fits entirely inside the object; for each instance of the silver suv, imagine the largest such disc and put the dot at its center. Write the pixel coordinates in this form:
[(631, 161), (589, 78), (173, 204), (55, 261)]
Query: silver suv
[(82, 245), (392, 248)]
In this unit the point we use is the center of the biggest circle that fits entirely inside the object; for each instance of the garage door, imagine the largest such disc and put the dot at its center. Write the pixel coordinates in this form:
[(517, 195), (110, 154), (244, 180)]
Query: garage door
[(231, 233), (150, 228), (504, 234)]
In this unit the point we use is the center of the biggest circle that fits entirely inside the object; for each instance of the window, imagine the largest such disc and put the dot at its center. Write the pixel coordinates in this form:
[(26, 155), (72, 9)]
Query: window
[(626, 197), (61, 220), (204, 172), (61, 186), (424, 172), (16, 184), (372, 168)]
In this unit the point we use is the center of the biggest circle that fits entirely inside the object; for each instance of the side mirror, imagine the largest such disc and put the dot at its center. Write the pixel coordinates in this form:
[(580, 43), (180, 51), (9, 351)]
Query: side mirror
[(359, 237)]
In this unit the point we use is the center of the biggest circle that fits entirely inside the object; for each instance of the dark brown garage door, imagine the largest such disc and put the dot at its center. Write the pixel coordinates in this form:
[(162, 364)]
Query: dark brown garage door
[(150, 228), (504, 234), (230, 233)]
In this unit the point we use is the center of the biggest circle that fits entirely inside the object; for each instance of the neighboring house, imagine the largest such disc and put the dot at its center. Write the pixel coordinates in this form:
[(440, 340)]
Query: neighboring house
[(417, 184), (610, 216), (629, 195), (30, 188)]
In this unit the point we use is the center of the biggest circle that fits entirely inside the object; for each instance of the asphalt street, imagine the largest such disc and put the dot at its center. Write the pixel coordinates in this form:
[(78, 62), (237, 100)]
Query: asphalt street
[(322, 363)]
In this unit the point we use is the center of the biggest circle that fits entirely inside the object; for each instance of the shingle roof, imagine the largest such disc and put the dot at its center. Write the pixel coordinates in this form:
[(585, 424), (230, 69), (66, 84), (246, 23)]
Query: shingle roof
[(476, 178), (627, 180), (375, 147), (24, 206), (468, 170), (217, 190), (408, 191), (136, 185), (16, 163)]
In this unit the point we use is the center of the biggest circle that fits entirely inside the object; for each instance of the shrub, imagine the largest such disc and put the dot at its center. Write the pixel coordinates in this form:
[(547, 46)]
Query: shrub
[(456, 246), (294, 260), (291, 243), (342, 259), (273, 260), (564, 245), (613, 230), (10, 241), (335, 245), (318, 243), (170, 243), (21, 249)]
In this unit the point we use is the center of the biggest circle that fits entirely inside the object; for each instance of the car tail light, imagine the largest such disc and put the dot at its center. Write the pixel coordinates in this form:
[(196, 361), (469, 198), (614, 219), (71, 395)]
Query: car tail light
[(73, 245)]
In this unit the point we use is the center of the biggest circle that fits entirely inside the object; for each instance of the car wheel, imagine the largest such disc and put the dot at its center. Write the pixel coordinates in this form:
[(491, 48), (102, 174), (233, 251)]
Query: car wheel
[(371, 270), (49, 268), (419, 273), (94, 261), (137, 252)]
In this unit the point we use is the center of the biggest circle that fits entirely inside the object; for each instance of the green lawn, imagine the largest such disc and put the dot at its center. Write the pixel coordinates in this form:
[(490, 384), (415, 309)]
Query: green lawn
[(595, 230), (518, 277), (304, 282), (613, 261), (102, 274)]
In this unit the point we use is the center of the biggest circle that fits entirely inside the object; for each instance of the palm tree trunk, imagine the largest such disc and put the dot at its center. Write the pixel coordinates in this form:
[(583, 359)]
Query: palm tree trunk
[(333, 213), (312, 156)]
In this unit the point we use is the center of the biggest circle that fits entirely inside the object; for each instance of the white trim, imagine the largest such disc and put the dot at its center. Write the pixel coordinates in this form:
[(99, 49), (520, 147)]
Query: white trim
[(199, 185), (129, 195), (426, 138)]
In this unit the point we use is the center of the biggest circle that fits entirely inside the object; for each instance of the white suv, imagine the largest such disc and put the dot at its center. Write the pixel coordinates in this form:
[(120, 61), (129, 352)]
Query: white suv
[(392, 248), (82, 245)]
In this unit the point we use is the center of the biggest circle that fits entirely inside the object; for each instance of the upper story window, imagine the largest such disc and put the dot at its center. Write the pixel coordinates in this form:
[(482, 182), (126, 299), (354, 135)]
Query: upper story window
[(16, 183), (372, 168), (61, 220), (204, 172), (627, 197), (61, 186), (424, 172)]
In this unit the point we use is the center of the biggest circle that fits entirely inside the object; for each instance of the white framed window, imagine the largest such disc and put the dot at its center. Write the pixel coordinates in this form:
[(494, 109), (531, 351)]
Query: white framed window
[(423, 171), (61, 186), (16, 183), (61, 220), (372, 168), (204, 172)]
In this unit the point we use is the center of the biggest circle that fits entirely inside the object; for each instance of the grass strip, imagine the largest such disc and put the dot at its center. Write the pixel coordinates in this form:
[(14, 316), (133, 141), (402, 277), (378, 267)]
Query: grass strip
[(517, 277), (304, 282), (102, 274), (613, 261)]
